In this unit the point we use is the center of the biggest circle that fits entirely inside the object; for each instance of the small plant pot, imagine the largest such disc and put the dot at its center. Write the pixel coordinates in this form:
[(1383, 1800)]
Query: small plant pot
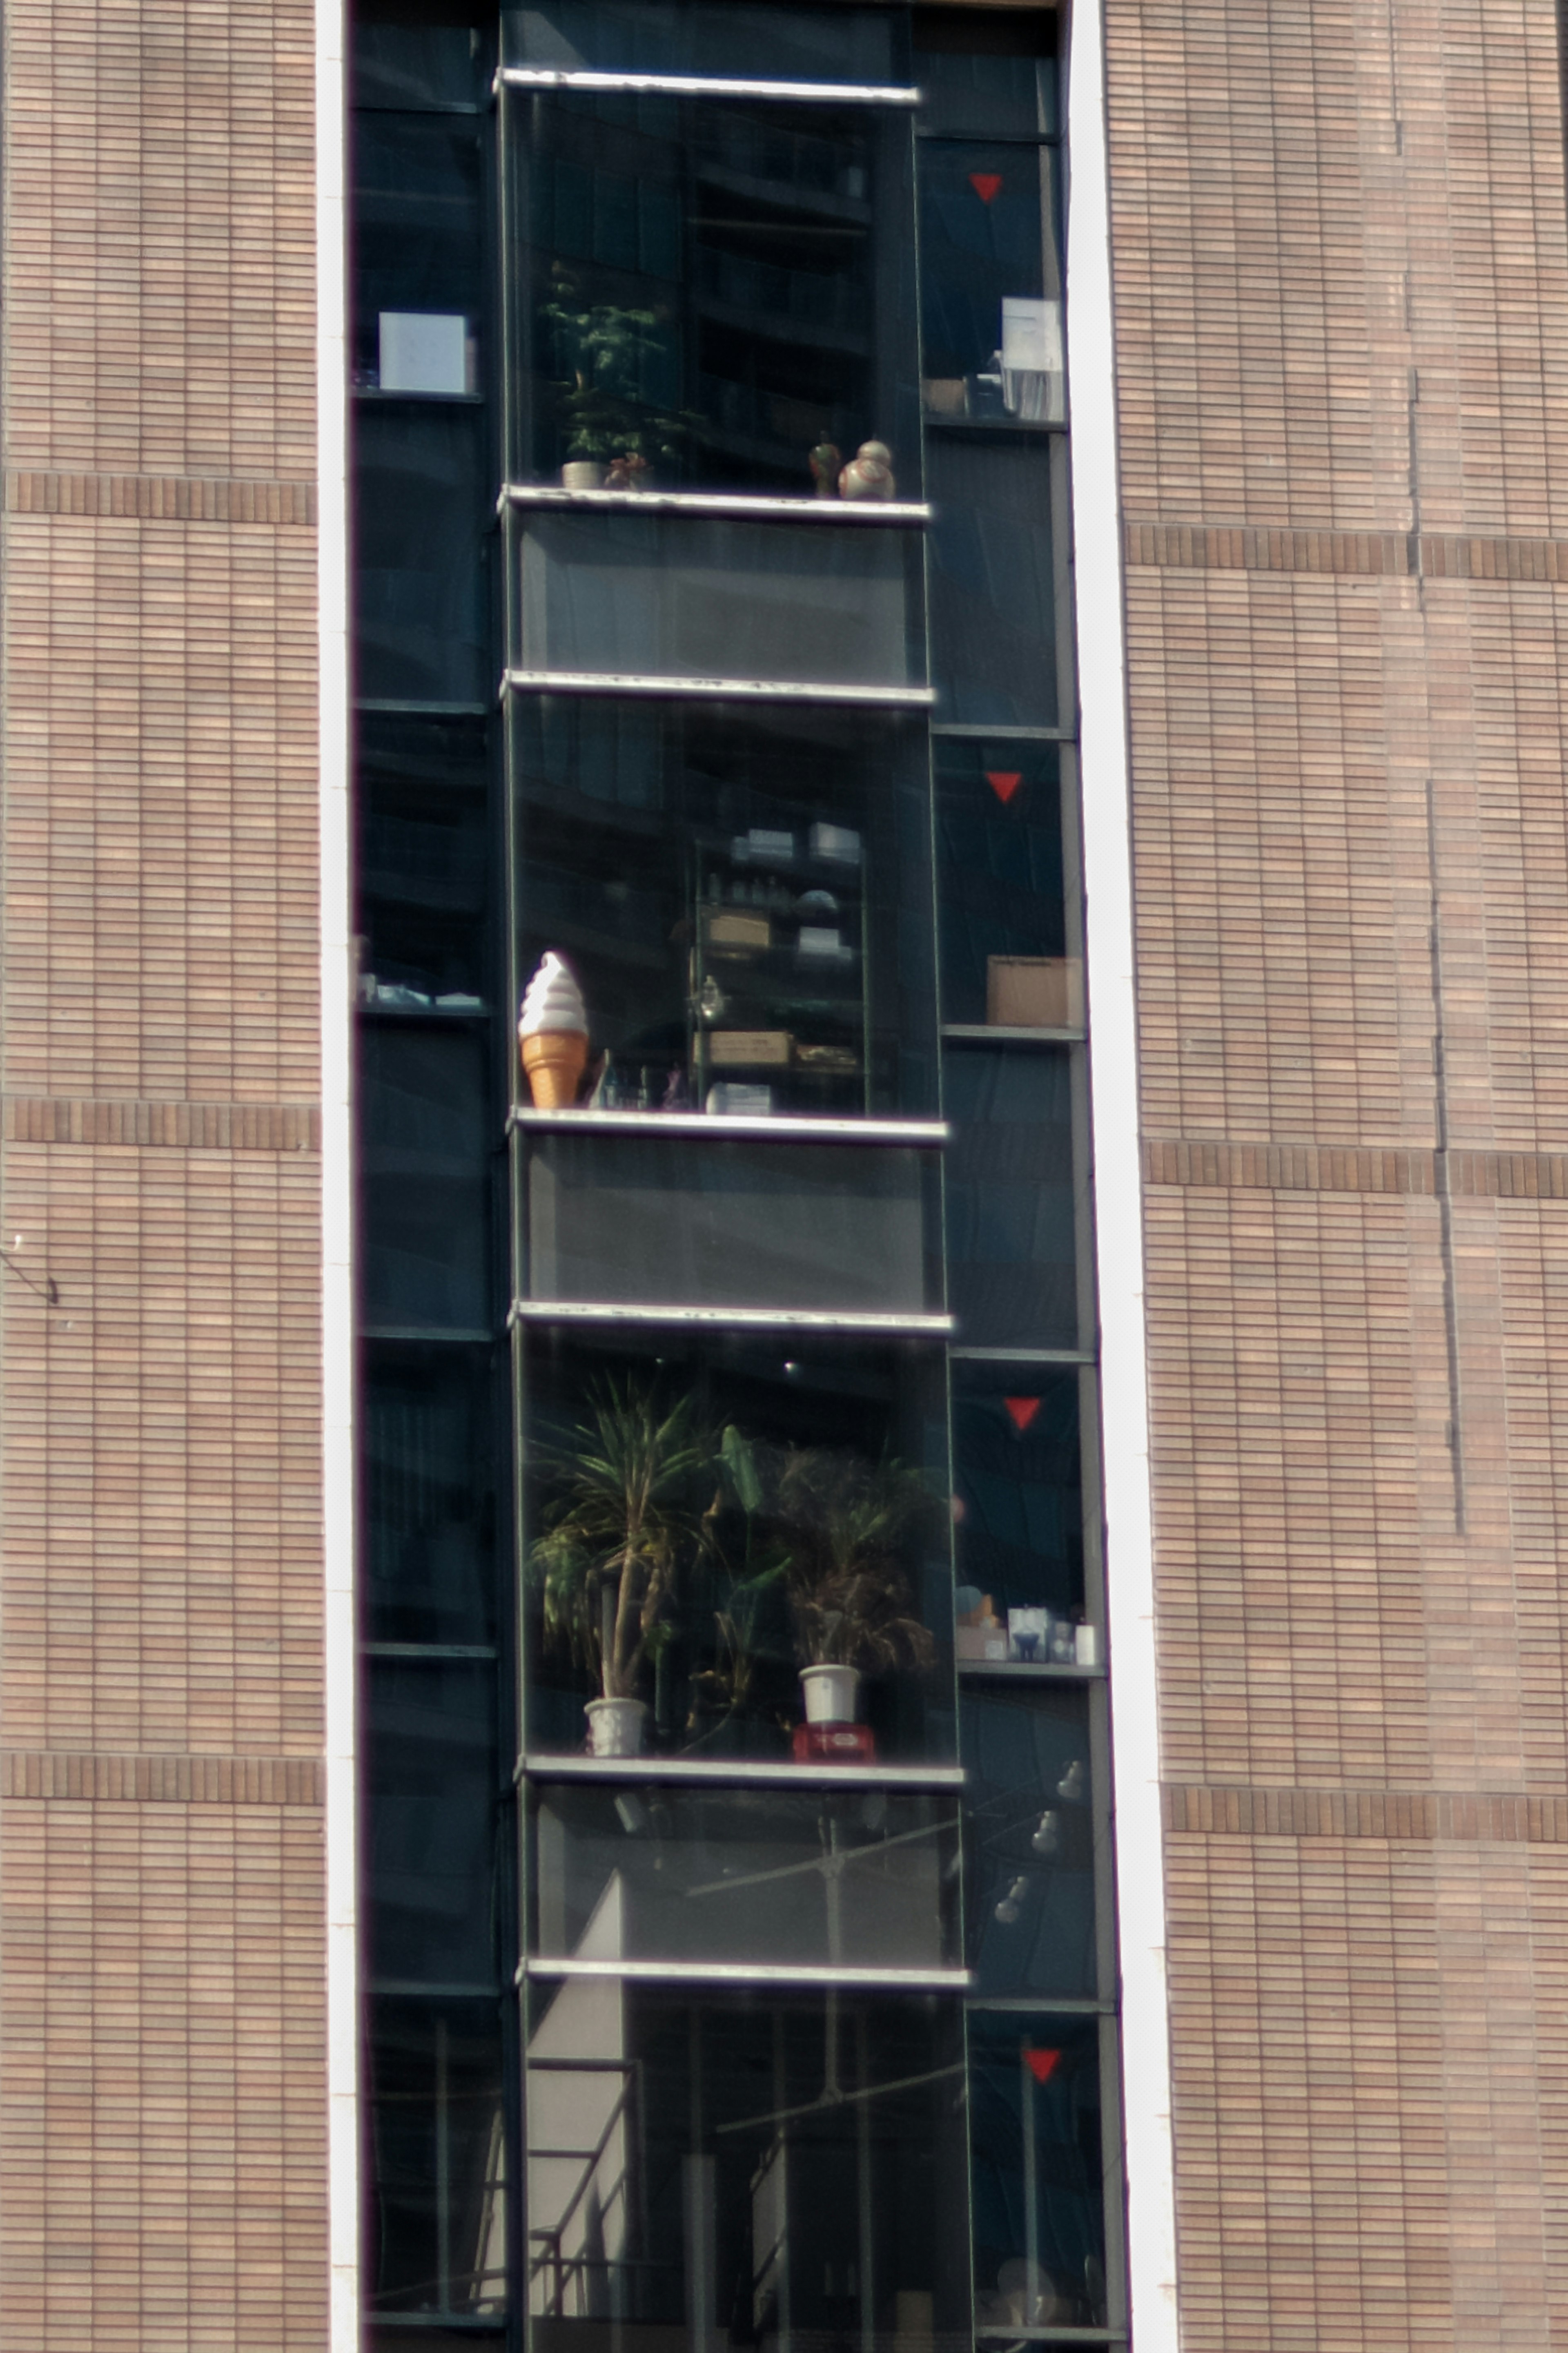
[(582, 474), (617, 1726), (830, 1694)]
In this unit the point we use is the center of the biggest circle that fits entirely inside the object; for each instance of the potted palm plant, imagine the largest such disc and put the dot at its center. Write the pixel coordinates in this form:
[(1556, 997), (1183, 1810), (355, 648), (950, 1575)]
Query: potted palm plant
[(617, 1535), (605, 350), (841, 1526)]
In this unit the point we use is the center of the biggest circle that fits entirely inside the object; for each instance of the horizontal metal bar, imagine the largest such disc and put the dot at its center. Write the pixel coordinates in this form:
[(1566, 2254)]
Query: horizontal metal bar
[(947, 134), (965, 730), (427, 1334), (740, 505), (428, 1651), (1025, 1356), (722, 1127), (1001, 1033), (734, 689), (752, 1973), (1011, 2336), (1024, 1670), (805, 93), (747, 1319), (1066, 2005), (740, 1772)]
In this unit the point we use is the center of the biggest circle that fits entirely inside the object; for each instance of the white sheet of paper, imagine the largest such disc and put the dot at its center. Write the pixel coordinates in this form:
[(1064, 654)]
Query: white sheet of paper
[(424, 350), (1031, 334)]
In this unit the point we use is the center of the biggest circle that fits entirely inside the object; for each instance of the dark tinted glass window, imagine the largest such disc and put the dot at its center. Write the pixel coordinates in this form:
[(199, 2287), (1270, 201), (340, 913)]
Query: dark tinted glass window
[(993, 622), (400, 64), (1030, 1840), (629, 595), (746, 43), (431, 1784), (1018, 1470), (421, 599), (718, 2169), (654, 1217), (1012, 1248), (1001, 874), (424, 1176), (991, 283), (719, 293), (743, 894), (425, 861), (792, 1592), (992, 71), (816, 1876), (419, 247), (1038, 2174), (436, 2193), (428, 1496)]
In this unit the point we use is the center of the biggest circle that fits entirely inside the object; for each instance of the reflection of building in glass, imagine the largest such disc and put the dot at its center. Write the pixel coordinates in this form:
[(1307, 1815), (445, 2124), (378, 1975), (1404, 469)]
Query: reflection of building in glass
[(730, 1454)]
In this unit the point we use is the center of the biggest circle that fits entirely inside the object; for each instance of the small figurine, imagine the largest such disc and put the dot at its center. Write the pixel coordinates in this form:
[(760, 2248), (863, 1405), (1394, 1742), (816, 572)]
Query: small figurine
[(870, 473), (628, 473), (826, 461)]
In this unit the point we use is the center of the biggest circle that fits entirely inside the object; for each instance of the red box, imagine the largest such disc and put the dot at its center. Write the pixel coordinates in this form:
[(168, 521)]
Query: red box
[(835, 1743)]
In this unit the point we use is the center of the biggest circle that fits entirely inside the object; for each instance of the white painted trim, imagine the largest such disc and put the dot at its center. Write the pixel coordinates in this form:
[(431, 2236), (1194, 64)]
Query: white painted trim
[(337, 1178), (806, 93), (1113, 1061), (738, 506), (729, 689)]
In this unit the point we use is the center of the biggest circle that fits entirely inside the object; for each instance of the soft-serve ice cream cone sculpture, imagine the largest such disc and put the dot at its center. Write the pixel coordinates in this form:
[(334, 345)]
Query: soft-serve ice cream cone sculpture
[(552, 1029)]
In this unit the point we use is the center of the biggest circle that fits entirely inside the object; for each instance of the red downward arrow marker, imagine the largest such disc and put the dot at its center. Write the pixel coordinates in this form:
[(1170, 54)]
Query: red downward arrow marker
[(1004, 782), (1023, 1411), (985, 185), (1041, 2064)]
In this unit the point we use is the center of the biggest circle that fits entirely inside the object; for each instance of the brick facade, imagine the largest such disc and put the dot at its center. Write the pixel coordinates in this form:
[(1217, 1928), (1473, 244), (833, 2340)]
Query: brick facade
[(1341, 289), (162, 2032)]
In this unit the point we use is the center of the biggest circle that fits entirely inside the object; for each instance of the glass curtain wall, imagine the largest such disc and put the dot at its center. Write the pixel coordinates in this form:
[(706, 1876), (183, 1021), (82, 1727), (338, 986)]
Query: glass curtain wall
[(438, 1902), (1046, 2211), (738, 1951)]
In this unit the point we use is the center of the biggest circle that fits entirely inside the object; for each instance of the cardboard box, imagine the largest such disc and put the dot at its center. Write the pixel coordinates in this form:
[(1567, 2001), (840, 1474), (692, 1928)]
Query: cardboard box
[(1034, 992), (836, 845), (730, 1050), (735, 929)]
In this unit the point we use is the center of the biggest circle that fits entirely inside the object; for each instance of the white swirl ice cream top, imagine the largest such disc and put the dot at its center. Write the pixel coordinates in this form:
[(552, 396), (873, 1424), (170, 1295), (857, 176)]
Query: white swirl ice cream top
[(553, 1001)]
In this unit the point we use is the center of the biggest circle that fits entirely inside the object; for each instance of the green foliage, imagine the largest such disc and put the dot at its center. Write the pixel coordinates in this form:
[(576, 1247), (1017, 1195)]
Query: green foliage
[(618, 1531), (605, 348), (796, 1545), (833, 1528)]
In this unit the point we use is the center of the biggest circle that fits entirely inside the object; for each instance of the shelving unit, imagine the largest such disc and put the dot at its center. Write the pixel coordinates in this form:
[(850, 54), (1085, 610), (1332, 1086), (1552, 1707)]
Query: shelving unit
[(780, 995)]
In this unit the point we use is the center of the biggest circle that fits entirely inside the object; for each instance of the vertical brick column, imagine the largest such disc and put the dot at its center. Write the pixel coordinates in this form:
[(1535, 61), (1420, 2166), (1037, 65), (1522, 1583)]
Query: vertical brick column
[(1341, 294), (161, 2003)]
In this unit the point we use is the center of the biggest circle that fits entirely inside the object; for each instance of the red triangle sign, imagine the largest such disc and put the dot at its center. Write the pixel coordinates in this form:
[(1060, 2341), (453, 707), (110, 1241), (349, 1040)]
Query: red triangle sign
[(985, 185), (1041, 2064), (1004, 782), (1023, 1411)]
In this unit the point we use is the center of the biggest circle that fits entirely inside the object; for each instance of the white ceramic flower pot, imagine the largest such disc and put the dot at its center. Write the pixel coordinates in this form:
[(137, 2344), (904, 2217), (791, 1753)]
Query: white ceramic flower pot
[(616, 1727), (830, 1694), (582, 474)]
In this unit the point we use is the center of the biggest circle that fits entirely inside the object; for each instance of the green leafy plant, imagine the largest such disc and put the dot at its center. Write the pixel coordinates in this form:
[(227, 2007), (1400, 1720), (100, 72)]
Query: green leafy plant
[(604, 348), (834, 1530), (748, 1565), (619, 1531)]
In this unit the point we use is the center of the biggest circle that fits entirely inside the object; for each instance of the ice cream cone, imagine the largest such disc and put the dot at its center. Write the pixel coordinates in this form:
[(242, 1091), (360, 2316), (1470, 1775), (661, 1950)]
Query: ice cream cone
[(553, 1062)]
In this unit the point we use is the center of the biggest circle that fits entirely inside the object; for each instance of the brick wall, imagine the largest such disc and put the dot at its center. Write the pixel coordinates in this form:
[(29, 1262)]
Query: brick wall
[(162, 2013), (1342, 291)]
